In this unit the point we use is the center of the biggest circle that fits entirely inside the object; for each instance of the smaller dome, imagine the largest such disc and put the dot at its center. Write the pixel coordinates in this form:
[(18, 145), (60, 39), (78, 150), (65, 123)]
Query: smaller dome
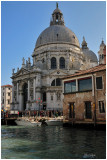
[(90, 55)]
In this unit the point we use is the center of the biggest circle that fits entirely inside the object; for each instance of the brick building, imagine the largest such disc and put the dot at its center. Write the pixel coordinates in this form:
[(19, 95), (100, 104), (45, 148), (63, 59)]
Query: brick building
[(85, 96), (6, 96)]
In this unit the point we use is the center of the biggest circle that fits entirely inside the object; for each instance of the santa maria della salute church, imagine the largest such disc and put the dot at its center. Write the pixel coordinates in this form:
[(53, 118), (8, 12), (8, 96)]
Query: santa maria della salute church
[(57, 54)]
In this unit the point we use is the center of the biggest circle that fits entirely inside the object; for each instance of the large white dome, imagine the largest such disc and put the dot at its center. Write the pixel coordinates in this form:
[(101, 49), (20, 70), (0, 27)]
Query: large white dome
[(57, 34)]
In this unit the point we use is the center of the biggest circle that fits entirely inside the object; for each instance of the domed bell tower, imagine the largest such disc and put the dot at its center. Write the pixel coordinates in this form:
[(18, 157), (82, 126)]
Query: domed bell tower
[(102, 55), (57, 17)]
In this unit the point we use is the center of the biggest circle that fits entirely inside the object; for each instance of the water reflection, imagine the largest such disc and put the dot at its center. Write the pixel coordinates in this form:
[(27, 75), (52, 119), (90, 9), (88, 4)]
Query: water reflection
[(52, 143)]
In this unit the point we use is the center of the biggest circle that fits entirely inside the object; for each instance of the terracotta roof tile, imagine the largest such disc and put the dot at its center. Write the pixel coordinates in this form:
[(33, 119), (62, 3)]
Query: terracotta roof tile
[(88, 71), (8, 85)]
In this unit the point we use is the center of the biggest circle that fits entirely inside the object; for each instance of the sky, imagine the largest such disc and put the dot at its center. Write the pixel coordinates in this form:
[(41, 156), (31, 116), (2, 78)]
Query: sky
[(23, 21)]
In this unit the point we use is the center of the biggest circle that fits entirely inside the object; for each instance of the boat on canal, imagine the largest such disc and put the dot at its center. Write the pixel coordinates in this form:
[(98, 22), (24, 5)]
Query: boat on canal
[(54, 122), (39, 121), (21, 122)]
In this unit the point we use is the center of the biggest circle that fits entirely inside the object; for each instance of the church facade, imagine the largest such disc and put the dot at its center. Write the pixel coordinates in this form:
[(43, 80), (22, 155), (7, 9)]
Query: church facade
[(57, 53)]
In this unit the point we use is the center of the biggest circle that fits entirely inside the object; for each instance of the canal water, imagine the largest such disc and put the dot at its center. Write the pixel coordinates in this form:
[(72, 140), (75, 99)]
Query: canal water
[(52, 142)]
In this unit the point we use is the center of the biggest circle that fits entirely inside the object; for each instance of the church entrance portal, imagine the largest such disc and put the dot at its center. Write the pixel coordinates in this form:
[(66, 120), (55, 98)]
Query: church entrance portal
[(25, 95)]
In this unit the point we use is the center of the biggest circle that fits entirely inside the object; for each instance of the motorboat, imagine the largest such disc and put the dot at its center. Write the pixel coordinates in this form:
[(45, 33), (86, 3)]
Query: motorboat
[(54, 122), (21, 122)]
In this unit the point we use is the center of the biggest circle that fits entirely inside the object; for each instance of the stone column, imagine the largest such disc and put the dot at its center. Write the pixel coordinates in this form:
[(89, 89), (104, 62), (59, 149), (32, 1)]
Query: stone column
[(17, 91), (93, 85), (28, 90), (48, 61), (13, 93), (34, 61), (20, 101), (38, 80), (34, 82), (67, 61), (57, 62), (63, 87), (76, 85)]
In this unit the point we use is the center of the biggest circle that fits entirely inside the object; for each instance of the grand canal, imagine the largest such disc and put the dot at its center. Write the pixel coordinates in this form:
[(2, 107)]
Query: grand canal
[(52, 142)]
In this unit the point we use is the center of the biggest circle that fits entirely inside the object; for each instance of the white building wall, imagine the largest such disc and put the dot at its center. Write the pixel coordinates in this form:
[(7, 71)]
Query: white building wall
[(7, 96)]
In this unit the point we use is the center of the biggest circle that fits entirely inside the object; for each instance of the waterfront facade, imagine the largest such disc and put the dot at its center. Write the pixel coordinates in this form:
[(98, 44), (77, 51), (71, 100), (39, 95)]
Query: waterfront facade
[(85, 96), (57, 53), (6, 97)]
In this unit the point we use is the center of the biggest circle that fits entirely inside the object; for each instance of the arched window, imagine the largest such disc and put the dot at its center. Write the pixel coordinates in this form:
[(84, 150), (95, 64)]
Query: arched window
[(62, 62), (53, 63), (58, 82), (53, 83), (56, 16)]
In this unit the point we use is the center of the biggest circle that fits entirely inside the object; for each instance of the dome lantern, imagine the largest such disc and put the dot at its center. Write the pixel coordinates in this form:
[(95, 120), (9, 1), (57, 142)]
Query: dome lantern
[(84, 43), (57, 17)]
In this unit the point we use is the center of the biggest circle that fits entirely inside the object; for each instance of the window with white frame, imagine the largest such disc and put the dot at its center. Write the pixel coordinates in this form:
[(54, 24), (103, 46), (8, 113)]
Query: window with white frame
[(101, 107), (70, 86), (85, 84)]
